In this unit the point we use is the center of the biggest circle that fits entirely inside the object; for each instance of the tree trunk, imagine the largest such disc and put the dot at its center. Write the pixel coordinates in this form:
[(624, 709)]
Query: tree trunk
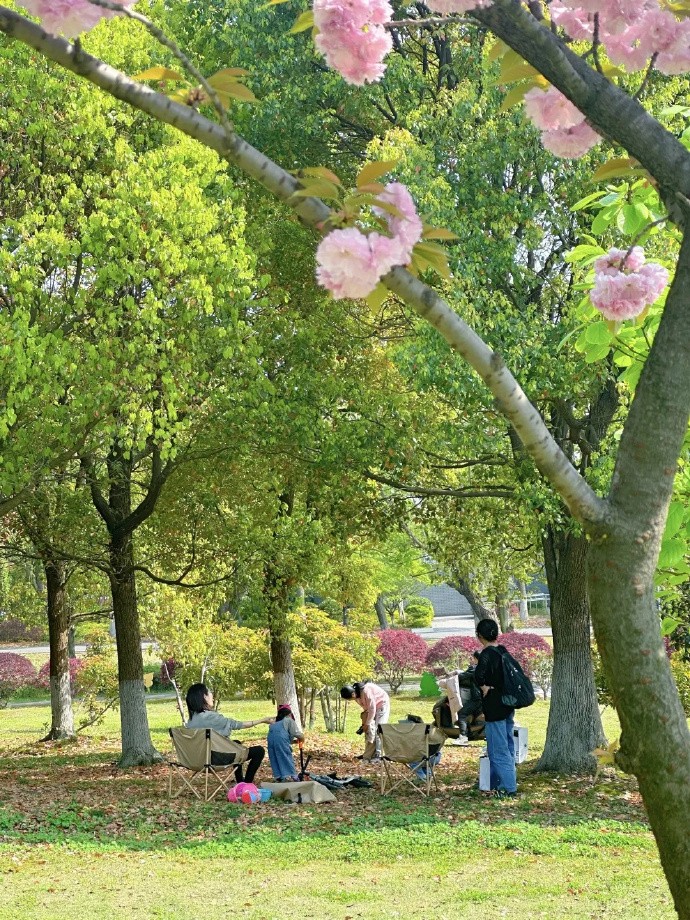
[(462, 586), (62, 716), (137, 748), (655, 740), (505, 620), (284, 675), (574, 729), (524, 610), (381, 612), (71, 642)]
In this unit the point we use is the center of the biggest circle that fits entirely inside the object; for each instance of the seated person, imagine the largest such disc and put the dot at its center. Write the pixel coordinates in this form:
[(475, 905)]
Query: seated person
[(203, 715), (470, 719), (281, 735)]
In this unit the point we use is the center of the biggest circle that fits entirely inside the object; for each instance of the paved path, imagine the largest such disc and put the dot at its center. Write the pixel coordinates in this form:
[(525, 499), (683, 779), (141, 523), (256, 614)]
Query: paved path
[(442, 627)]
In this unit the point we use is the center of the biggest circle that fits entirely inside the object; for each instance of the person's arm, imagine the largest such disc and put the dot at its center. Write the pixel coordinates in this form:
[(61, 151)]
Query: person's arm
[(294, 734), (482, 673), (268, 720)]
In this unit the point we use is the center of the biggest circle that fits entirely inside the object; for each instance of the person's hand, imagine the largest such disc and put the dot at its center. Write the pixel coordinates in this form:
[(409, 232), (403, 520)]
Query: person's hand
[(485, 689), (269, 720)]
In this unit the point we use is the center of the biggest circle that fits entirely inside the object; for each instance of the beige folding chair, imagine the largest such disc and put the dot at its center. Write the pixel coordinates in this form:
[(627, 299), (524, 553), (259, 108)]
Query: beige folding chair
[(193, 748), (404, 744)]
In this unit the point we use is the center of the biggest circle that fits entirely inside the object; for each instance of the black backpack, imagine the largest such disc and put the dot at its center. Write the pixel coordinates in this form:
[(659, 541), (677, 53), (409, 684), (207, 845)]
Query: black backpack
[(518, 691)]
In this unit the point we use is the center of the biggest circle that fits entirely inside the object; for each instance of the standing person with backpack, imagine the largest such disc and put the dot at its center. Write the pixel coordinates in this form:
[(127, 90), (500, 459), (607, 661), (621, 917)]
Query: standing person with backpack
[(489, 677)]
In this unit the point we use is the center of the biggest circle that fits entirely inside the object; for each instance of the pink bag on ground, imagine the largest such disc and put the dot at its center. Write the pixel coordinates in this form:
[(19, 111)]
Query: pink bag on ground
[(246, 793)]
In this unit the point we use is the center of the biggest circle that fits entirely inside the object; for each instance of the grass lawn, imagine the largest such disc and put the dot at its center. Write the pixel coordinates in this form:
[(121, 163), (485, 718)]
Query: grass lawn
[(80, 839)]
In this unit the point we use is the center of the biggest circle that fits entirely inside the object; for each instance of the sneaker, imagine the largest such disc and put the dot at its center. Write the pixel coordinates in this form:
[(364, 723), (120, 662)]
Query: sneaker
[(502, 794)]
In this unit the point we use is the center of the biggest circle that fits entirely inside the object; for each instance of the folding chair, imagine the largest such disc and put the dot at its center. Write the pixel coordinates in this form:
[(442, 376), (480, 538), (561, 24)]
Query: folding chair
[(407, 743), (193, 748)]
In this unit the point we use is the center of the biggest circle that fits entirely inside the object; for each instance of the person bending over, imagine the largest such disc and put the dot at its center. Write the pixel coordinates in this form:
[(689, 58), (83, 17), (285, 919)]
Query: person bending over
[(203, 715), (376, 708), (281, 735)]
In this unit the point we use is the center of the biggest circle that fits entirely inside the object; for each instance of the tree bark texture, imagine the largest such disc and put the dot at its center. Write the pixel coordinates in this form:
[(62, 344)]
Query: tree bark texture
[(62, 715), (655, 740), (462, 586), (284, 674), (381, 612), (574, 729), (137, 748)]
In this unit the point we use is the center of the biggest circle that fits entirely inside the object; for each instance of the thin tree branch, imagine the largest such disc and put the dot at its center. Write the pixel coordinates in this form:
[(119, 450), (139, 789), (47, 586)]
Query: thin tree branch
[(584, 504)]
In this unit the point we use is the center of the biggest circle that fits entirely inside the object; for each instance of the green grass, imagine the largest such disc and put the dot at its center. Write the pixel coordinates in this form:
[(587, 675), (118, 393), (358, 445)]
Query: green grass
[(81, 839)]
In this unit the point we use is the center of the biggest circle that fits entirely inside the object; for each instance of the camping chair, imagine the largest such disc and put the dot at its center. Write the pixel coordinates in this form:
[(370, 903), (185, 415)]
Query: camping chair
[(404, 744), (193, 748)]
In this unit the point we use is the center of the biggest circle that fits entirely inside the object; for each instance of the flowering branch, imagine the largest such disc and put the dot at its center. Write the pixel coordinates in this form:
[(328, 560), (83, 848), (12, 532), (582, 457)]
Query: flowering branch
[(161, 37), (585, 505)]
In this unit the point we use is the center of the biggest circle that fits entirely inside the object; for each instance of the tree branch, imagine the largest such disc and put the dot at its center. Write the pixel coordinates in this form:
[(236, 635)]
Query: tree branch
[(495, 492), (584, 504)]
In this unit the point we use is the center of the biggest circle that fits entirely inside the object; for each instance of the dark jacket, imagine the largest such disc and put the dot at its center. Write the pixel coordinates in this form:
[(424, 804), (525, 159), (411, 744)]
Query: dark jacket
[(489, 672)]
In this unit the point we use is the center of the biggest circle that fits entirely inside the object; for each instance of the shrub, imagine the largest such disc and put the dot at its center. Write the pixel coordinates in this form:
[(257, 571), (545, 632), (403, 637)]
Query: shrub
[(419, 613), (524, 647), (16, 672), (14, 630), (163, 680), (540, 669), (75, 666), (400, 652), (451, 654)]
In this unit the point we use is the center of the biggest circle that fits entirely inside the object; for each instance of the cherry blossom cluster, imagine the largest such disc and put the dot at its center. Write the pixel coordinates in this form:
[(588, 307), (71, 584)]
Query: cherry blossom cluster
[(625, 283), (632, 31), (564, 130), (351, 263), (69, 17), (352, 38), (446, 7)]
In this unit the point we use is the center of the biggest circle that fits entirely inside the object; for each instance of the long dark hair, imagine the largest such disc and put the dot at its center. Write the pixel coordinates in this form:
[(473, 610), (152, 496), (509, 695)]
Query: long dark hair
[(196, 699)]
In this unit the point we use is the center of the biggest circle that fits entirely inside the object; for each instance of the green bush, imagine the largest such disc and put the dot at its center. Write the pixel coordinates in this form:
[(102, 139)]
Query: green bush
[(418, 613)]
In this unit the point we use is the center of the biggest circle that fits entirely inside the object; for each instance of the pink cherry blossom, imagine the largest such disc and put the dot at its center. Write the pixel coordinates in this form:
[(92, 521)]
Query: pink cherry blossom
[(446, 7), (550, 109), (614, 15), (624, 284), (352, 39), (570, 143), (69, 17), (407, 229), (350, 263), (575, 22)]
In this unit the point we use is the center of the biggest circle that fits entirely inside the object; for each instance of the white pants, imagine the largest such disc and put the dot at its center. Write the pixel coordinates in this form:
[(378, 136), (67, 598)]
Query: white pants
[(373, 746)]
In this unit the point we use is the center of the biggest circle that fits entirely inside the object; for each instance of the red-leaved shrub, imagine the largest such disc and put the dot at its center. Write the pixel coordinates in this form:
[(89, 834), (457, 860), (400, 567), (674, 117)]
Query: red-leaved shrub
[(14, 630), (75, 666), (400, 652), (451, 654), (16, 672)]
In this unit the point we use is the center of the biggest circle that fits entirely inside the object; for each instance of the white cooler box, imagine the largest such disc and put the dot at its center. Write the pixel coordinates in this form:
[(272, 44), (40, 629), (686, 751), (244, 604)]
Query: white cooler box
[(520, 741)]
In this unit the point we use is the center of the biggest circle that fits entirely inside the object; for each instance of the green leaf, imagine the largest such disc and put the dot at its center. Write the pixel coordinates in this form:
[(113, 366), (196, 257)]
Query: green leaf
[(596, 353), (377, 297), (672, 552), (434, 256), (598, 334), (321, 172), (158, 73), (588, 199), (669, 625), (304, 21), (438, 233), (370, 172), (616, 168), (675, 519), (584, 253)]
